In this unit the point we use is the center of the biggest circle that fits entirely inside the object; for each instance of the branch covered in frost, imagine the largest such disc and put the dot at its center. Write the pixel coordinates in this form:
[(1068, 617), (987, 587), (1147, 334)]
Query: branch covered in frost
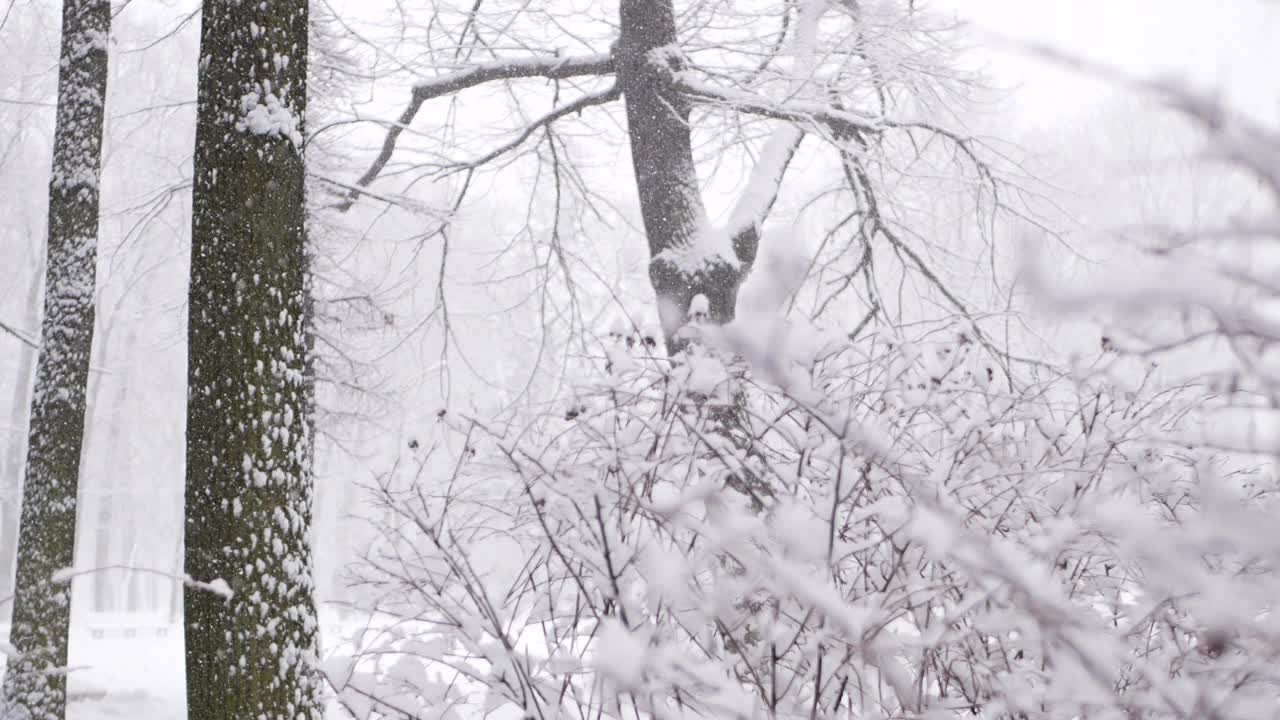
[(888, 531), (1241, 141), (1210, 287), (795, 111)]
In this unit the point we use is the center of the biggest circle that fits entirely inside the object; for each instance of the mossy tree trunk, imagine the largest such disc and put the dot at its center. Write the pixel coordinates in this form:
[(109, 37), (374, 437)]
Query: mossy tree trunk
[(248, 482), (34, 685)]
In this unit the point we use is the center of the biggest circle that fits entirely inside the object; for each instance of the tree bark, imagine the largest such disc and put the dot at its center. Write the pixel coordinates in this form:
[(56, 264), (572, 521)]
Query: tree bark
[(666, 177), (46, 543), (645, 60), (248, 477)]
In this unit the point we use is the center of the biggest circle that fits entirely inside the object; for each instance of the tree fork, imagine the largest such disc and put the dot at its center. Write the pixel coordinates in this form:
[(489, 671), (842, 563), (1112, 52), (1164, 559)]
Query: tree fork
[(666, 176)]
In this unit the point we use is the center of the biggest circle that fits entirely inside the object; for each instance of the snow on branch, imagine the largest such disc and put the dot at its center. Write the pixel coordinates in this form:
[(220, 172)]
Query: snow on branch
[(1162, 282), (918, 525), (551, 68), (1241, 141), (841, 123), (1216, 276), (765, 181), (753, 205), (738, 239), (838, 121), (217, 586)]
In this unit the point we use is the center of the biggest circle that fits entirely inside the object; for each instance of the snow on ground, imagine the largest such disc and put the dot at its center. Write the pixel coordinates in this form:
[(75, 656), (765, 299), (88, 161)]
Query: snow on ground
[(138, 706), (124, 666), (131, 666)]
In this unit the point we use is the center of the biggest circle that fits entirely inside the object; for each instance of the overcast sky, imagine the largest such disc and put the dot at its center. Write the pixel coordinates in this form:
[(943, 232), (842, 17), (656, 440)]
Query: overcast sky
[(1229, 44)]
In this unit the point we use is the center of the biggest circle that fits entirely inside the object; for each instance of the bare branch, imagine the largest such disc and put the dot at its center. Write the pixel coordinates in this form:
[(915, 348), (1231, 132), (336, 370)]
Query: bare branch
[(582, 103), (552, 68), (20, 335)]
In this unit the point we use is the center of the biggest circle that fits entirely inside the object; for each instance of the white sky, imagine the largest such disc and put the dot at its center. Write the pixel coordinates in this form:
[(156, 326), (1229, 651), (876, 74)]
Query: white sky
[(1229, 44)]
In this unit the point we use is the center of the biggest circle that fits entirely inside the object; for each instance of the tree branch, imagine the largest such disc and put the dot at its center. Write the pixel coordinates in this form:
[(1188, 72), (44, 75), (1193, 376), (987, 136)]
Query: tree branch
[(552, 68), (582, 103), (22, 337), (1241, 140), (763, 186), (838, 121)]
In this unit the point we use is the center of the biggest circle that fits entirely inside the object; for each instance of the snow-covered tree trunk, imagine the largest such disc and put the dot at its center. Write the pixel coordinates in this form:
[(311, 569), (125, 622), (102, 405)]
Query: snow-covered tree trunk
[(46, 543), (688, 255), (666, 177), (248, 482)]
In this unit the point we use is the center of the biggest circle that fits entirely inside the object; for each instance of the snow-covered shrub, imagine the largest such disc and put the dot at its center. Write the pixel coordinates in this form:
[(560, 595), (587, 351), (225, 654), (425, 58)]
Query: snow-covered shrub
[(782, 524)]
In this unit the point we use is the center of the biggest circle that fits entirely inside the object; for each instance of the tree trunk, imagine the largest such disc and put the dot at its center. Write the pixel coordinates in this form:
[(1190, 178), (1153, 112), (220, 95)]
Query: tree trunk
[(11, 491), (46, 543), (666, 178), (248, 477)]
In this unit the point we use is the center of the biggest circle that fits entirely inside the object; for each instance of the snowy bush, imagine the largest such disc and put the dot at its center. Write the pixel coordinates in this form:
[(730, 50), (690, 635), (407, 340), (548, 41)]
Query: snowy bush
[(888, 527)]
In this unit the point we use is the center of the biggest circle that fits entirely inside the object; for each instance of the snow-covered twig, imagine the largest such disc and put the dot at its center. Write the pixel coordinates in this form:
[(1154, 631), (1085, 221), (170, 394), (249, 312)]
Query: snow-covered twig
[(217, 586)]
